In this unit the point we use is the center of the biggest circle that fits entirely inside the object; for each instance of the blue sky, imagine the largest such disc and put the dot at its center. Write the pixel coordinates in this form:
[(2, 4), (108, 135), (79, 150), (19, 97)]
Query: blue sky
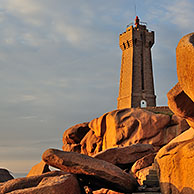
[(60, 65)]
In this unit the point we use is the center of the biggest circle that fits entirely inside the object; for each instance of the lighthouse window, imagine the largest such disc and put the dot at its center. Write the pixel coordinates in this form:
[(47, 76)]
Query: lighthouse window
[(150, 44), (128, 43), (124, 46), (142, 73), (135, 41), (141, 36)]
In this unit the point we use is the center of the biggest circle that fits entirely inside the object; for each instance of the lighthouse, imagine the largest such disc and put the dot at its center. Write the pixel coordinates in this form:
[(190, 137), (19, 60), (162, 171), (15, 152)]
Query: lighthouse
[(136, 75)]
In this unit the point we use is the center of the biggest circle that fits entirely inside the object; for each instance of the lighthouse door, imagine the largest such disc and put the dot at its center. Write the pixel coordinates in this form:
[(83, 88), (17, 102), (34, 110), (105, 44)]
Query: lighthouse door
[(143, 104)]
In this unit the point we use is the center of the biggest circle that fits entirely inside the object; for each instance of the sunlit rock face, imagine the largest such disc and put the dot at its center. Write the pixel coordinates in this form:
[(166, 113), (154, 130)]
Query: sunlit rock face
[(185, 64), (39, 169), (176, 170), (175, 160), (124, 127)]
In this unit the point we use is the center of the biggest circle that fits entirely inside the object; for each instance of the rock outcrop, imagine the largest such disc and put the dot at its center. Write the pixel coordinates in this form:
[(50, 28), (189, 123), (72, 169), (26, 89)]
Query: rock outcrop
[(5, 175), (125, 127), (51, 183), (175, 160), (97, 172)]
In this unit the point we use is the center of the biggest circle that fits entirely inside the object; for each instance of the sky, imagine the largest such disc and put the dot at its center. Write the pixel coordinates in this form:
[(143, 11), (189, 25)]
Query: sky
[(60, 65)]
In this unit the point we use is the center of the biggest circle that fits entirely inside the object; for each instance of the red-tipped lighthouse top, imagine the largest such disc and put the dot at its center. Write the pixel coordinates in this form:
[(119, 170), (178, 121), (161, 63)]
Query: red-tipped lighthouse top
[(137, 22)]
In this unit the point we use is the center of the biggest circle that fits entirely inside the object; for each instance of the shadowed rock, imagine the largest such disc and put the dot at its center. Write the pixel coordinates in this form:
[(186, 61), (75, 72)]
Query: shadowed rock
[(50, 183), (109, 175), (5, 175), (76, 133), (125, 155), (180, 103)]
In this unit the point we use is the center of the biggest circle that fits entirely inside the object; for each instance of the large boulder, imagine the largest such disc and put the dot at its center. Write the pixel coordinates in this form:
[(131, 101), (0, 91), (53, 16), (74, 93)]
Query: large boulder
[(51, 182), (185, 64), (39, 169), (5, 175), (124, 127), (125, 155), (175, 164), (129, 126), (185, 70), (96, 171)]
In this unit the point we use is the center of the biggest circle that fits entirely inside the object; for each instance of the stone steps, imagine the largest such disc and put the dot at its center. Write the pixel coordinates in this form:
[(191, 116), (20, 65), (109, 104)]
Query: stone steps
[(152, 177), (151, 184)]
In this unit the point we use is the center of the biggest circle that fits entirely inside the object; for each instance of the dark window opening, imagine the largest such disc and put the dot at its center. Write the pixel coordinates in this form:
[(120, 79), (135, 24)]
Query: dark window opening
[(135, 41), (150, 44), (142, 73), (141, 36), (124, 46), (128, 43)]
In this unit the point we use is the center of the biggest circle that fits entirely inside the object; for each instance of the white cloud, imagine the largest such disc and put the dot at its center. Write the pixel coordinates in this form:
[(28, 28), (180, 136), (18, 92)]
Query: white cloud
[(70, 33), (28, 117), (23, 98), (23, 6), (181, 13)]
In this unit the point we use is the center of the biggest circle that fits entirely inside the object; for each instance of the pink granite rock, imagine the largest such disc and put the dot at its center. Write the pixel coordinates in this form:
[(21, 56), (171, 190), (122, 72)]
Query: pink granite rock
[(143, 162), (125, 155), (124, 127), (109, 175), (39, 169), (51, 183)]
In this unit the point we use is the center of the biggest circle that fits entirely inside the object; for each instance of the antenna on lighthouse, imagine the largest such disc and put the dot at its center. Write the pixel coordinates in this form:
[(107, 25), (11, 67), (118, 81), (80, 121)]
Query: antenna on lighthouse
[(135, 8)]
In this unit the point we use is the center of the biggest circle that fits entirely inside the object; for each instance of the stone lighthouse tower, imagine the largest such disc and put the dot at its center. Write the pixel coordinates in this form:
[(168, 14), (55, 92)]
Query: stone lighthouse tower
[(136, 76)]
